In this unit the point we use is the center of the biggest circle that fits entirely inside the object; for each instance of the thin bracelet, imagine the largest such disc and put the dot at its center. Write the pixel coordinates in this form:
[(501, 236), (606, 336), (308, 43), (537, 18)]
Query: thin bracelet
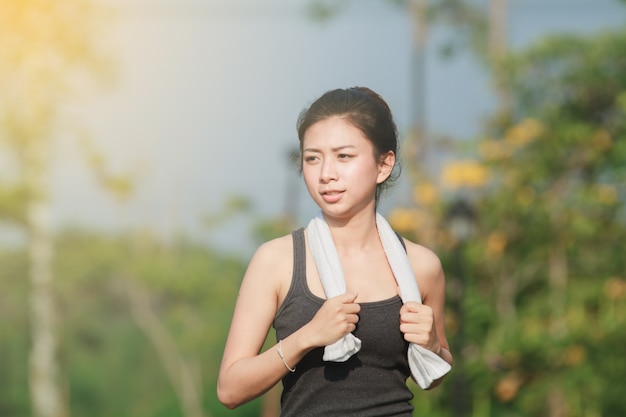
[(279, 349)]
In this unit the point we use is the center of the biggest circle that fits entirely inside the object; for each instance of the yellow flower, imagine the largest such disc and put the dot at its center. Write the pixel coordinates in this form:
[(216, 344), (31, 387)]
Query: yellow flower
[(507, 387), (426, 194), (574, 355), (496, 242), (404, 220), (494, 150), (467, 173), (615, 288), (523, 133), (602, 140)]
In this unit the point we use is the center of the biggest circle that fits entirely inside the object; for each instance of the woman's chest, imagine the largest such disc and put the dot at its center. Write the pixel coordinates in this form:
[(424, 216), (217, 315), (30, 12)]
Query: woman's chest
[(369, 277)]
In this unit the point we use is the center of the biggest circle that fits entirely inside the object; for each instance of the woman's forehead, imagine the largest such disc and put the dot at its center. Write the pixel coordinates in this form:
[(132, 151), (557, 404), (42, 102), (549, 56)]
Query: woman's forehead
[(334, 132)]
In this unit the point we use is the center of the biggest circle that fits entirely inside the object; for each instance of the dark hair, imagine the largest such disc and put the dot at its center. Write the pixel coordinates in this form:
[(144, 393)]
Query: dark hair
[(365, 110)]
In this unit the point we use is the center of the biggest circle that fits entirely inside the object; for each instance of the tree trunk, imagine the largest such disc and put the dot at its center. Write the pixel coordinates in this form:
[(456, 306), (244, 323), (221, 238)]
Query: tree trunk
[(46, 393), (557, 270), (418, 10), (557, 404), (497, 28), (180, 373), (497, 47), (557, 280)]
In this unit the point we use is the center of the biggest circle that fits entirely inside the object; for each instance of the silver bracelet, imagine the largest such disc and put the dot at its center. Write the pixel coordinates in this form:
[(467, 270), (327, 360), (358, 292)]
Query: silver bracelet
[(279, 349)]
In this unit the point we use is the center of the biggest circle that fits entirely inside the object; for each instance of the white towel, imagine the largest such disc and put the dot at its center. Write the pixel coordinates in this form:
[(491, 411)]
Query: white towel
[(426, 366)]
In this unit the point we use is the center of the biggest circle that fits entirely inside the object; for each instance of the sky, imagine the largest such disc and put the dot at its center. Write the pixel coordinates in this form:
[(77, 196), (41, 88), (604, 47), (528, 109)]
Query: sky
[(207, 94)]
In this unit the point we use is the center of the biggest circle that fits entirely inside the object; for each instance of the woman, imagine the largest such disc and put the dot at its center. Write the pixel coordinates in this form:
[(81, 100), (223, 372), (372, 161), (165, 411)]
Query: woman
[(348, 145)]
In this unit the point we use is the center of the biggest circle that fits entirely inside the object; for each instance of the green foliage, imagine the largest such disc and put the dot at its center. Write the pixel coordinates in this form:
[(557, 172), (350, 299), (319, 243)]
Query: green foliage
[(14, 400), (546, 285), (469, 21), (12, 203), (536, 298), (264, 230), (109, 365)]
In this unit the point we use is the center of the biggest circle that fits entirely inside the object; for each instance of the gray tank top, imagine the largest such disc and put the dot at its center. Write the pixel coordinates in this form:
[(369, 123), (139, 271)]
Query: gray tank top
[(371, 383)]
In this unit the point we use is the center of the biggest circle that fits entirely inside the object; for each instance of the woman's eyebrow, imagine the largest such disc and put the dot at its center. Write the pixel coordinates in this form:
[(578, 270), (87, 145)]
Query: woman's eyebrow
[(335, 149)]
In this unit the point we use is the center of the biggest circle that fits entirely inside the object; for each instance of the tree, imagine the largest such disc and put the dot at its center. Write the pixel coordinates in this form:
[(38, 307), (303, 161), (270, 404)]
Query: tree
[(555, 216), (546, 286), (47, 49)]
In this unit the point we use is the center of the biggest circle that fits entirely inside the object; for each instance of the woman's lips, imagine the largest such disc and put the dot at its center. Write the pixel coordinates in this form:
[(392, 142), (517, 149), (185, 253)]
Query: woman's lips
[(332, 196)]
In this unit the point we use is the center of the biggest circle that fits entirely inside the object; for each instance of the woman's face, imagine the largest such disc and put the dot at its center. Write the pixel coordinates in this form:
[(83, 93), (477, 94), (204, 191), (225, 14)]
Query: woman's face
[(340, 169)]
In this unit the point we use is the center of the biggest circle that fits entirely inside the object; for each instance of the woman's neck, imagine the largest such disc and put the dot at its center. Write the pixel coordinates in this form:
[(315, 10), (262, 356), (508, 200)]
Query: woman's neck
[(357, 233)]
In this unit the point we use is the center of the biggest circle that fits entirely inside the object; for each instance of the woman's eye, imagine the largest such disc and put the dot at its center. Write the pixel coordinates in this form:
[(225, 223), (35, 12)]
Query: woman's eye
[(343, 156), (310, 158)]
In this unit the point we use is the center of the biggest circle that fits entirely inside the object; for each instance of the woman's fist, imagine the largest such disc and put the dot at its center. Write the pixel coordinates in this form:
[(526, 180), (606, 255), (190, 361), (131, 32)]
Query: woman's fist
[(337, 317), (417, 323)]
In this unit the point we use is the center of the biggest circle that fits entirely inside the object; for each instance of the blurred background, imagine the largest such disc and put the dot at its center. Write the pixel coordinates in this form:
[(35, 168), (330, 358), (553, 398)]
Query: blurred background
[(148, 147)]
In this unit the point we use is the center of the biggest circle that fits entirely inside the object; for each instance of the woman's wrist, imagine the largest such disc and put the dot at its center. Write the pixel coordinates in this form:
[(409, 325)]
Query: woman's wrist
[(281, 353)]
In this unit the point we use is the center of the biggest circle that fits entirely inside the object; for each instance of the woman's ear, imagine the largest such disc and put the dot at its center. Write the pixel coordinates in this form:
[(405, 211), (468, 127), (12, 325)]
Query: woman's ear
[(385, 166)]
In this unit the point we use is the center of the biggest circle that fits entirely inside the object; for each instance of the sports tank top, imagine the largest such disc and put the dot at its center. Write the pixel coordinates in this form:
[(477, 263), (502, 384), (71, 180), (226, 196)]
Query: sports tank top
[(371, 383)]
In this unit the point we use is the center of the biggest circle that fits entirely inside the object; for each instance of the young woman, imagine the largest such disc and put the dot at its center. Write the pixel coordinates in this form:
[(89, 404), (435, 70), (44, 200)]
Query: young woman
[(348, 145)]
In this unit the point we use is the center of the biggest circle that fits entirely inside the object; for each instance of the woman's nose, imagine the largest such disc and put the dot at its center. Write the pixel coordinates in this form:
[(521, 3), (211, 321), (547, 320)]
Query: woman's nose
[(328, 172)]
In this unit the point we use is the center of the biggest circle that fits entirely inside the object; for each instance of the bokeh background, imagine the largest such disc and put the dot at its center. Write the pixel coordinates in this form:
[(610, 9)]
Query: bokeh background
[(147, 147)]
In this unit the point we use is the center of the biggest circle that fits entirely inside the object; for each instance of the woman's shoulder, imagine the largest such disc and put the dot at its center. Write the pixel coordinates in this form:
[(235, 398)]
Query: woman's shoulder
[(425, 262), (428, 271), (273, 253), (270, 265)]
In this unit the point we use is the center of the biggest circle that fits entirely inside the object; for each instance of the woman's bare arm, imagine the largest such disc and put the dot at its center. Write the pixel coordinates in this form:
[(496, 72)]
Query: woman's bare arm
[(432, 284), (245, 373)]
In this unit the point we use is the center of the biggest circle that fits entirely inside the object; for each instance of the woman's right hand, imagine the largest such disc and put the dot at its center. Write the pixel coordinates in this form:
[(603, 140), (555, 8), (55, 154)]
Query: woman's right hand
[(337, 317)]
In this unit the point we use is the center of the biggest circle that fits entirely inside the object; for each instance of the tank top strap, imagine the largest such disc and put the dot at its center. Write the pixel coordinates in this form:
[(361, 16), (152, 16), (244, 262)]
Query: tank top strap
[(299, 258), (297, 287), (401, 240)]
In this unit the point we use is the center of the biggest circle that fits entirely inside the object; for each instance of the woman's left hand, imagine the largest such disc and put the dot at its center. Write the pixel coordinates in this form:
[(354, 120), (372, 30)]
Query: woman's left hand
[(417, 323)]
